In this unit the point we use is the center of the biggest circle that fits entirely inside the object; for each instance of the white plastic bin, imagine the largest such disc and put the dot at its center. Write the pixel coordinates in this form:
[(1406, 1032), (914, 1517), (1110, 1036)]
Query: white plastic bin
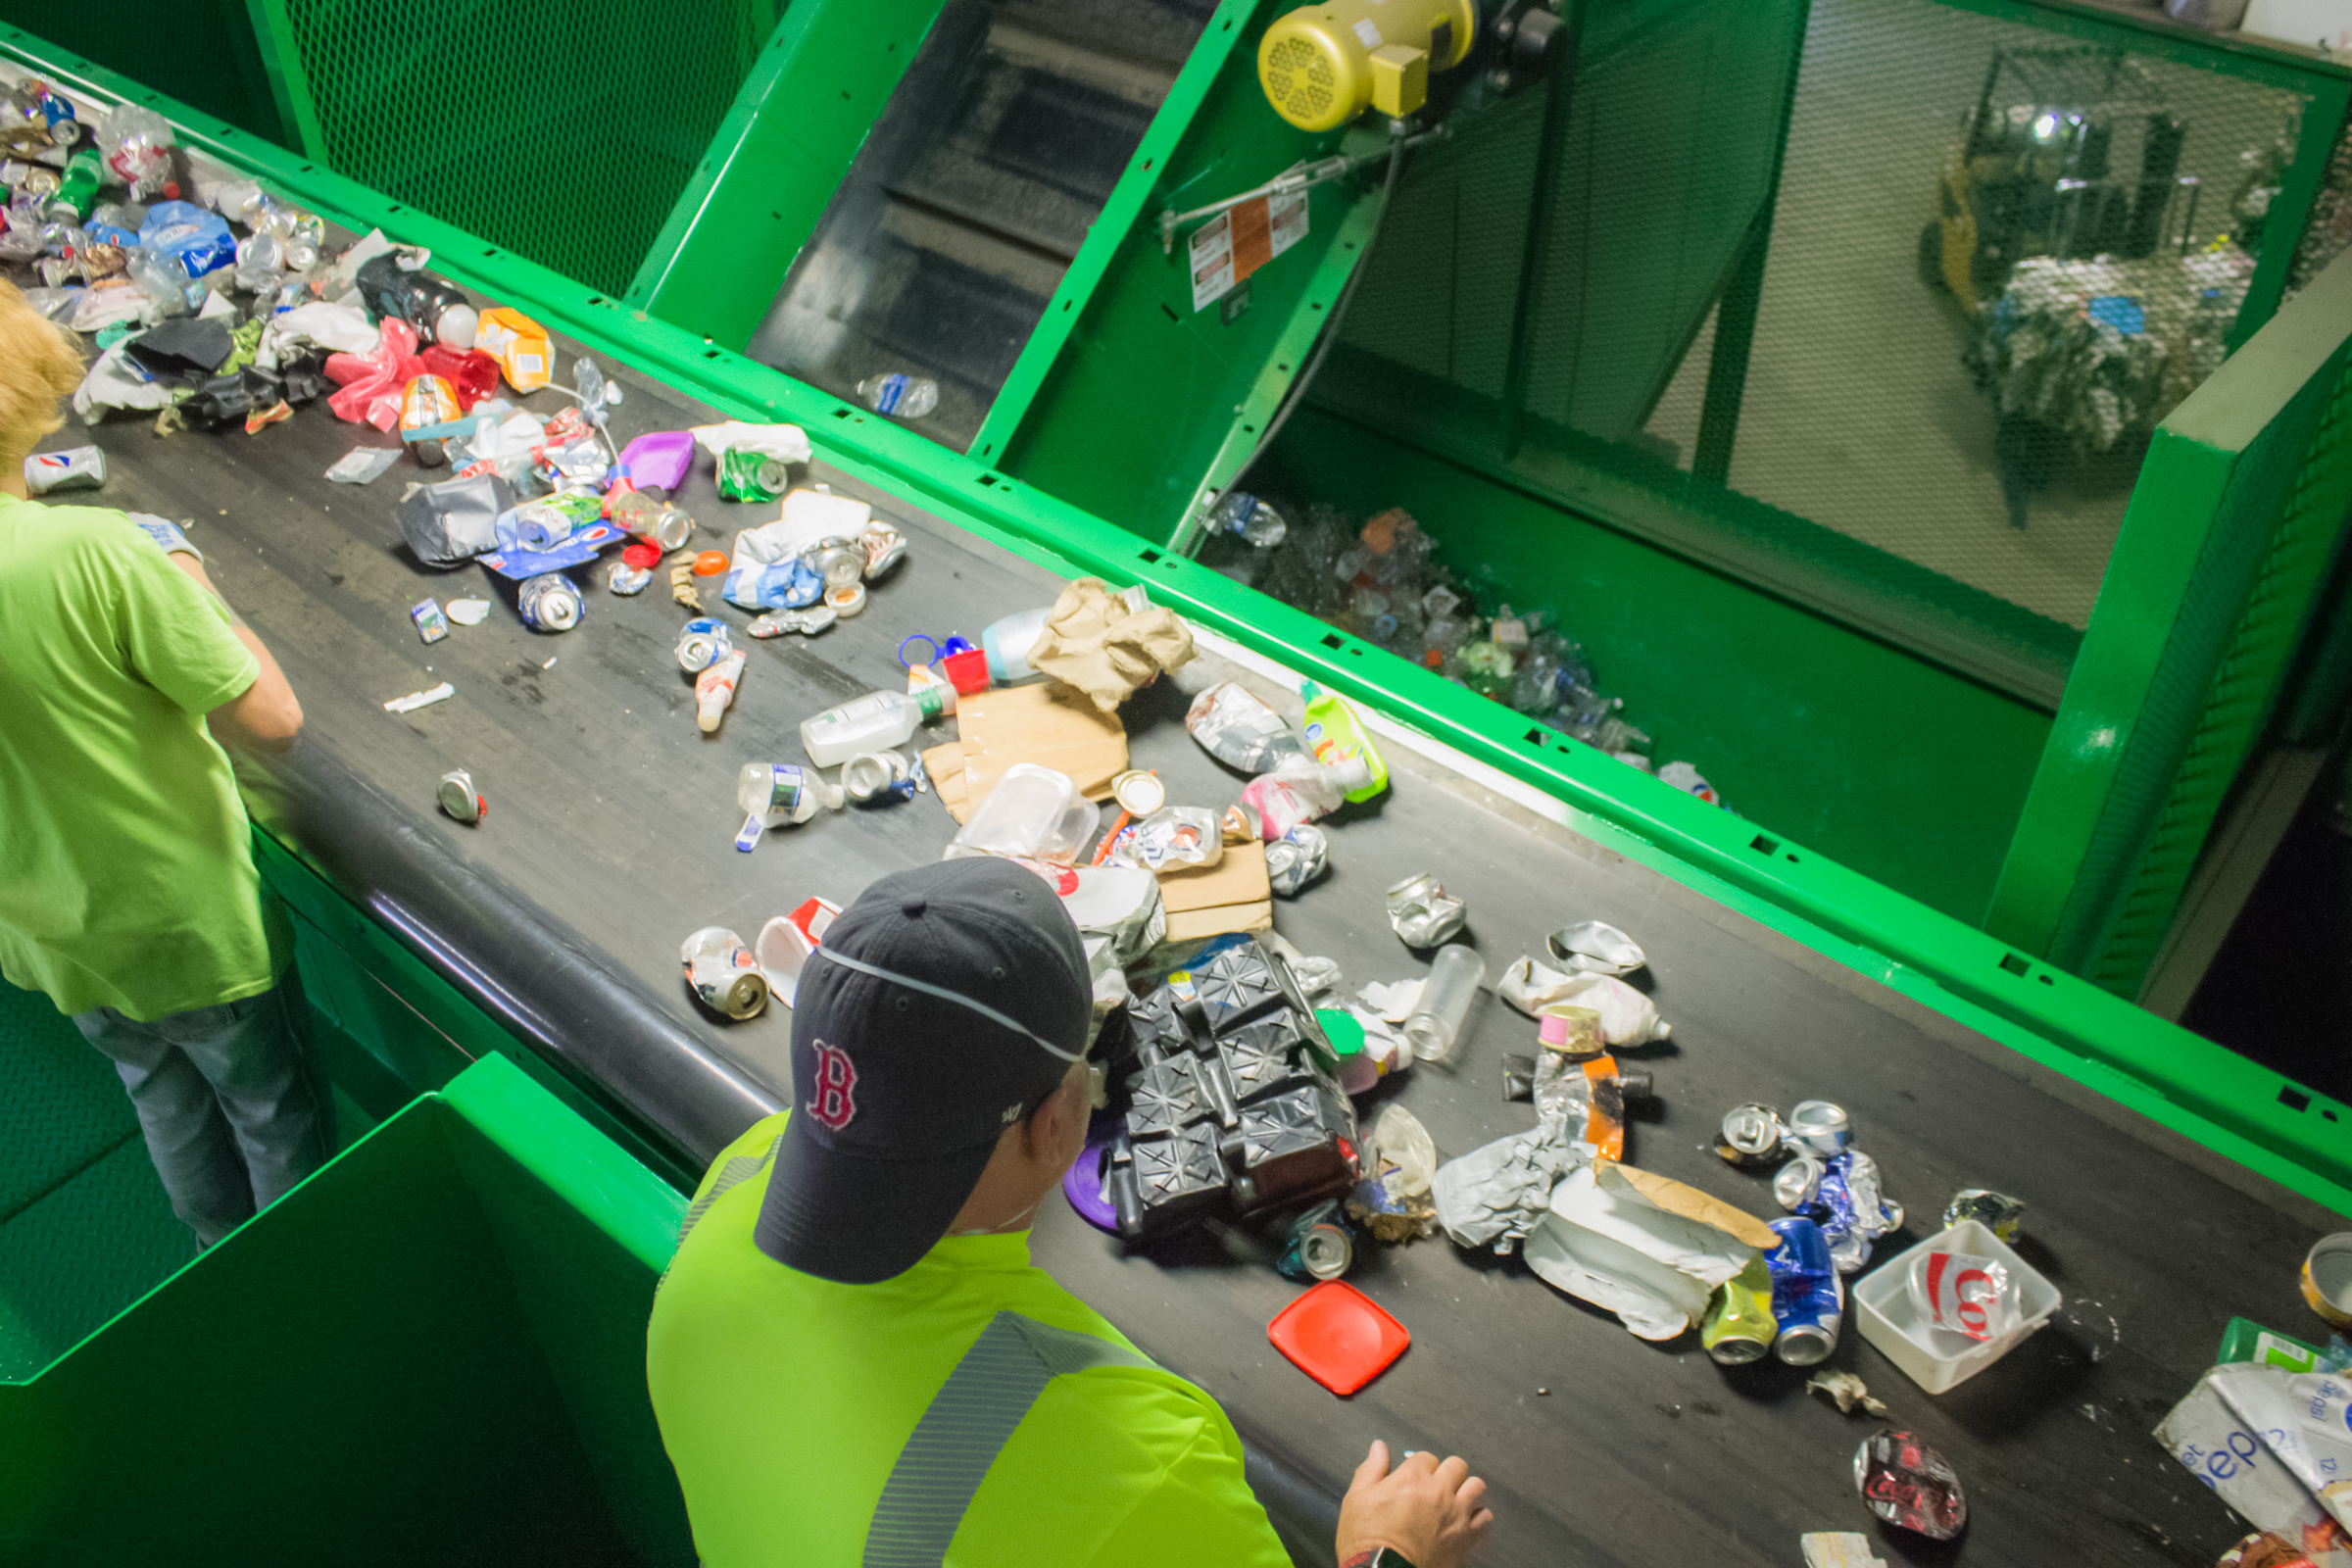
[(1882, 1307)]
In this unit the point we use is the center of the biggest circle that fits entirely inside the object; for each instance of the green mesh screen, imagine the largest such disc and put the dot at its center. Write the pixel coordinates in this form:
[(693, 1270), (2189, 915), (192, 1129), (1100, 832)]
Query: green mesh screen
[(562, 132), (200, 52), (1945, 463)]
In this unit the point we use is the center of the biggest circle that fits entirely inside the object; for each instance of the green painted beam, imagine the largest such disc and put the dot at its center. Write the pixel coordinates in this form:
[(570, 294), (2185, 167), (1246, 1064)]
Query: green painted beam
[(2223, 1102), (798, 122), (289, 80)]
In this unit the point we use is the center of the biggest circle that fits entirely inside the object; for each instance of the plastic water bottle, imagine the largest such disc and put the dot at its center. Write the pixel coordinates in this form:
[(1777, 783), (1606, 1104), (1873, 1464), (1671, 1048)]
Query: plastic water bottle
[(871, 723), (907, 397), (1245, 516), (1436, 1026)]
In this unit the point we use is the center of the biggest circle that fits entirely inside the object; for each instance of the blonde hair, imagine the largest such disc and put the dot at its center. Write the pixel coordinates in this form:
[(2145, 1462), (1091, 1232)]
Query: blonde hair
[(39, 363)]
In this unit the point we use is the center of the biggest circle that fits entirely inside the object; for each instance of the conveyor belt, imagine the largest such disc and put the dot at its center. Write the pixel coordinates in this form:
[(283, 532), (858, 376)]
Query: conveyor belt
[(609, 839), (944, 245)]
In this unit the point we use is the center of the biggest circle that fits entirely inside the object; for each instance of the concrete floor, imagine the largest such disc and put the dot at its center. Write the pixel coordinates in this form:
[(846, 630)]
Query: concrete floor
[(1858, 413)]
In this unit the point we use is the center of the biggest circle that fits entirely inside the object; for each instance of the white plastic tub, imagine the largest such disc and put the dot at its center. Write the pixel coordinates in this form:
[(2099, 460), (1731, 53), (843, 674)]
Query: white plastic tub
[(1884, 1310)]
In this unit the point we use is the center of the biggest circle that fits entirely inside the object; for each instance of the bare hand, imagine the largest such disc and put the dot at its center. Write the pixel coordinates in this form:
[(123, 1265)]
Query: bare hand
[(1426, 1510)]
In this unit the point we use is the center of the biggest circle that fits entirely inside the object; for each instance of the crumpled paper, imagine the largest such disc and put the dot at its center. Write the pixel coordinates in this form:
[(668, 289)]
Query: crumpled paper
[(1100, 643), (1494, 1196), (787, 442), (1627, 1017), (1607, 1242)]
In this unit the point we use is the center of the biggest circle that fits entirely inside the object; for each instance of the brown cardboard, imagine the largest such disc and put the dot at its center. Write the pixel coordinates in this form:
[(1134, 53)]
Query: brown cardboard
[(1679, 1197), (1045, 723), (945, 764), (1238, 877), (1198, 926)]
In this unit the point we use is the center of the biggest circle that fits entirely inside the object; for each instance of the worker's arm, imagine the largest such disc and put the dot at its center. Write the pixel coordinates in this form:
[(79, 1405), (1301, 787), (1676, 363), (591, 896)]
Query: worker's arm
[(266, 714)]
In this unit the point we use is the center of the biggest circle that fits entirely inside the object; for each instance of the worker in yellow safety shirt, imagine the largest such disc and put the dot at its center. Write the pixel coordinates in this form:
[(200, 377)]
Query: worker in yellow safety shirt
[(851, 1358)]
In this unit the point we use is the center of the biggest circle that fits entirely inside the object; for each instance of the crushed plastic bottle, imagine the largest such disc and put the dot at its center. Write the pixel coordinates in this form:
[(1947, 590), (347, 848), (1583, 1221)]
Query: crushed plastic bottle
[(136, 145), (903, 396), (1250, 519)]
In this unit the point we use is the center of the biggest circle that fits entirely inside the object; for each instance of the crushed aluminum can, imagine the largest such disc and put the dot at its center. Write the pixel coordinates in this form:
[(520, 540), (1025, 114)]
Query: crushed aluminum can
[(1596, 947), (458, 799), (839, 563), (701, 643), (1964, 1292), (1908, 1484), (625, 579), (1819, 1127), (872, 776), (1796, 1187), (1138, 793), (1171, 839), (885, 546), (1234, 725), (549, 603), (1241, 824), (1296, 859), (722, 973), (1751, 1135), (1321, 1245), (808, 622), (1740, 1326), (1997, 1212), (1494, 1195), (75, 469), (1808, 1296), (431, 624), (1422, 914)]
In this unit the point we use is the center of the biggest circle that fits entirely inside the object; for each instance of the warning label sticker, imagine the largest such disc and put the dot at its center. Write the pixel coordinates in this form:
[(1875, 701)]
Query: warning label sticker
[(1240, 240)]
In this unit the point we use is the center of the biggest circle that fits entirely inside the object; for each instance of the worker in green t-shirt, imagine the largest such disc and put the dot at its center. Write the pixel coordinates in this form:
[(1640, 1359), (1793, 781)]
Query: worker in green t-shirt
[(128, 889), (851, 1358)]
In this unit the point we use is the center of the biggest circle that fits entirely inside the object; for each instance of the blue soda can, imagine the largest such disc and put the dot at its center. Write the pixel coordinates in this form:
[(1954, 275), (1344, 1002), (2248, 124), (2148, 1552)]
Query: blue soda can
[(549, 603), (703, 642), (1808, 1295)]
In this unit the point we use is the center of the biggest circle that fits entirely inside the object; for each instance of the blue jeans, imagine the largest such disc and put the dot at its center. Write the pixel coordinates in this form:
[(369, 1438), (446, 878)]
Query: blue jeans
[(233, 1113)]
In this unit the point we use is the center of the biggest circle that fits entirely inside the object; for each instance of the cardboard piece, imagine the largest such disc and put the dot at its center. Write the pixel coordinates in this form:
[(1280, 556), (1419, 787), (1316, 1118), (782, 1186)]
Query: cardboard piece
[(1679, 1197), (945, 764), (1232, 895), (1044, 723)]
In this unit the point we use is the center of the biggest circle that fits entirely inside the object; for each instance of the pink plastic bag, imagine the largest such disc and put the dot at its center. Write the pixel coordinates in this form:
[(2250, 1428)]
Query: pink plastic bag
[(372, 384)]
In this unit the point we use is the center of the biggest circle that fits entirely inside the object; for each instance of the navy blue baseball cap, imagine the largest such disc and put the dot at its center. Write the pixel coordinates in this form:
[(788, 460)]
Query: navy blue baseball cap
[(942, 1007)]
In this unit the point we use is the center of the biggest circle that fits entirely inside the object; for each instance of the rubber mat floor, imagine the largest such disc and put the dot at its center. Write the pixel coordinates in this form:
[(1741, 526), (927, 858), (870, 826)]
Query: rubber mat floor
[(84, 1226)]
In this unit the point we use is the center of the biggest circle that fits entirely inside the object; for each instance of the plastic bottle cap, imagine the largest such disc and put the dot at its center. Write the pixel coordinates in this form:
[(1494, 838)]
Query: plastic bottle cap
[(710, 564), (641, 556)]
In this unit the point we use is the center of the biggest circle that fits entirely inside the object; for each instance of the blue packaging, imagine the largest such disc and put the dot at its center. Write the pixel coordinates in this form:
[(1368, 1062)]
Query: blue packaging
[(782, 585), (197, 240)]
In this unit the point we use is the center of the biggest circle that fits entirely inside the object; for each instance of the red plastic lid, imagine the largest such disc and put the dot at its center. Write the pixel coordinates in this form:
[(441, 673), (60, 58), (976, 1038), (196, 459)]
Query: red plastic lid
[(1338, 1336), (643, 557)]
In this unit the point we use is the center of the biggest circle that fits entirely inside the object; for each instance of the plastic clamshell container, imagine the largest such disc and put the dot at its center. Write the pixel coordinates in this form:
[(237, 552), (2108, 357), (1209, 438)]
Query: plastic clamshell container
[(1884, 1310)]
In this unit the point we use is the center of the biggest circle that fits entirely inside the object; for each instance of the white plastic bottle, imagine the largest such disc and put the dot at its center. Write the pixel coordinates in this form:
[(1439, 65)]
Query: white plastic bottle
[(779, 795), (871, 723)]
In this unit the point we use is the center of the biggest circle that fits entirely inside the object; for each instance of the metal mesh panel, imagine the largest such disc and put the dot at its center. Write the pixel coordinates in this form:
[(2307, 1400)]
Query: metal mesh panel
[(200, 52), (562, 132), (1860, 413)]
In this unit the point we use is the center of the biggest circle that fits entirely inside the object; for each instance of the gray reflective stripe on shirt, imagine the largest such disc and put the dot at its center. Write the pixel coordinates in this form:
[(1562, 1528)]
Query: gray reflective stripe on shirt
[(967, 1425), (742, 1168)]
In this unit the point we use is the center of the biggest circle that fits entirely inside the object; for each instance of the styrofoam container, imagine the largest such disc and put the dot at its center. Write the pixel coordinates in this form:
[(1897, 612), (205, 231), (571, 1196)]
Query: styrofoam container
[(1884, 1310)]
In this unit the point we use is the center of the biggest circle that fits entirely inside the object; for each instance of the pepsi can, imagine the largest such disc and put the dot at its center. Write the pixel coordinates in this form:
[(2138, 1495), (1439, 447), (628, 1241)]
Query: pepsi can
[(75, 469), (549, 603)]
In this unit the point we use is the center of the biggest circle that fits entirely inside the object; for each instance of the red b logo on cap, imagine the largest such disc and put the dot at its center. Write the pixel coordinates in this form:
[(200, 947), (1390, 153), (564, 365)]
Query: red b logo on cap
[(835, 1078)]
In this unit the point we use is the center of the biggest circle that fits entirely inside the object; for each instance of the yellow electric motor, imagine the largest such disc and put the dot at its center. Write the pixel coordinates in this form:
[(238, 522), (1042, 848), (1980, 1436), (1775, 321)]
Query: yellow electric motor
[(1324, 64)]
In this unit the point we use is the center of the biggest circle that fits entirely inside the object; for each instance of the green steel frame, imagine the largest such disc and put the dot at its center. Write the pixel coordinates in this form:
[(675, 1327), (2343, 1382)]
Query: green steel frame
[(2223, 1102)]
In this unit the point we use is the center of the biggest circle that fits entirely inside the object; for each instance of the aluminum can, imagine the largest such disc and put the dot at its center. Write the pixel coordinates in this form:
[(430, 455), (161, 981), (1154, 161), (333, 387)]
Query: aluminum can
[(75, 469), (701, 643), (1819, 1127), (724, 974), (1751, 1135), (751, 476), (1807, 1296), (1321, 1245), (549, 603), (1739, 1325), (460, 798)]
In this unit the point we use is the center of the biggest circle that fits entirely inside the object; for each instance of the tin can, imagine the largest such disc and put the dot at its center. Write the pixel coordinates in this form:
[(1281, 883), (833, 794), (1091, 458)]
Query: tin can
[(1908, 1484), (459, 798), (549, 603), (431, 624), (625, 579), (701, 643), (724, 974), (2328, 1279), (75, 469), (885, 546), (808, 622), (1739, 1325), (1808, 1298), (652, 518), (1296, 858)]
